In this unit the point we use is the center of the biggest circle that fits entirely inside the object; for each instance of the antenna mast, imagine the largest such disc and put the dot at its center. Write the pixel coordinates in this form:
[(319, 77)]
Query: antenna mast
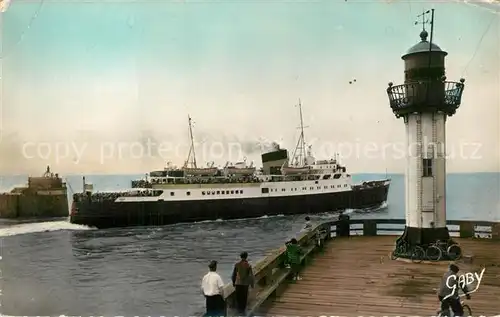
[(431, 23), (191, 149), (432, 31), (430, 54)]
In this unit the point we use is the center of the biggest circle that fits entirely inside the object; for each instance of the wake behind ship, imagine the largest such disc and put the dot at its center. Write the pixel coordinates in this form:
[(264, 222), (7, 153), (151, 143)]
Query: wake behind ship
[(190, 193)]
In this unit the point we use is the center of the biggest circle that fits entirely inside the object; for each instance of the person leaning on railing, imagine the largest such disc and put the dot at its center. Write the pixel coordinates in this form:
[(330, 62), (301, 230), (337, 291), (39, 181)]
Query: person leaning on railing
[(293, 253), (343, 225), (308, 224)]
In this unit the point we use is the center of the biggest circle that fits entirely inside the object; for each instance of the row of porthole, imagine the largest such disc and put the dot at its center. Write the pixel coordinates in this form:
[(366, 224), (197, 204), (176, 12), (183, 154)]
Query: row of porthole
[(240, 191), (223, 192), (305, 188)]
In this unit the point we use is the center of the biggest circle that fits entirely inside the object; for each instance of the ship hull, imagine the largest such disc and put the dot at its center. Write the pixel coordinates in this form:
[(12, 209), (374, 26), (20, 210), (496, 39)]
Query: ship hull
[(109, 214)]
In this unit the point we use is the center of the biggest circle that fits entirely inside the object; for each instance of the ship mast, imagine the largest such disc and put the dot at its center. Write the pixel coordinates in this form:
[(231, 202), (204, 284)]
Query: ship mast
[(299, 154), (191, 154)]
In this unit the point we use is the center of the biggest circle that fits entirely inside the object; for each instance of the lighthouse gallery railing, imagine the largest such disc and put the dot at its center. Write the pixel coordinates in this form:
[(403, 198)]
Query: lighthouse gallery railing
[(446, 97)]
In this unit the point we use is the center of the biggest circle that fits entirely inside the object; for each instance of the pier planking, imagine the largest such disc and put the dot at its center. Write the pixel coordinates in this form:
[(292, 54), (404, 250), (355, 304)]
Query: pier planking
[(355, 275)]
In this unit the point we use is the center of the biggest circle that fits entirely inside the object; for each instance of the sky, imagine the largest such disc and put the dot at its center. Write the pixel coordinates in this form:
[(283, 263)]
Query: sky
[(107, 86)]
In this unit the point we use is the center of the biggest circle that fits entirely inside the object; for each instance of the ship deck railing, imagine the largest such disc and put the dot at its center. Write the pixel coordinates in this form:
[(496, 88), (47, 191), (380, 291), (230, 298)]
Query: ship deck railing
[(355, 274)]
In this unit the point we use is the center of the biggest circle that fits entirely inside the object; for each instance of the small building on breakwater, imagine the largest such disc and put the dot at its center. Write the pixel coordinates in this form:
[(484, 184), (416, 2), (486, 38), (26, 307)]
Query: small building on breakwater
[(43, 197)]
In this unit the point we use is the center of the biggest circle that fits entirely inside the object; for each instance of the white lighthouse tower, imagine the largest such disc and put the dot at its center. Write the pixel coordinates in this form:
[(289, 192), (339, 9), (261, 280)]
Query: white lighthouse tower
[(425, 101)]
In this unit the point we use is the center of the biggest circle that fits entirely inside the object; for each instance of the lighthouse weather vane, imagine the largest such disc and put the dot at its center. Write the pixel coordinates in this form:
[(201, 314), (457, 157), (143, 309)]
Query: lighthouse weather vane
[(424, 19)]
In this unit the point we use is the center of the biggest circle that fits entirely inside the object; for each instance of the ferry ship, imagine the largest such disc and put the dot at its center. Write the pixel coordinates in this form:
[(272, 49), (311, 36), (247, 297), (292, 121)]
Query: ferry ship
[(300, 185)]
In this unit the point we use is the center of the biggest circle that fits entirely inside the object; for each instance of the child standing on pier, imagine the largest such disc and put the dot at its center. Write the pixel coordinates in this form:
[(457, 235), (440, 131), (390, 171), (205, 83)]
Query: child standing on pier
[(293, 252)]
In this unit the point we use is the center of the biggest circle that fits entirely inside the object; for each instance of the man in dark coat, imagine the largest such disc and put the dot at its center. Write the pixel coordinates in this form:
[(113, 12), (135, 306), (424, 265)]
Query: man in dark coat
[(242, 279)]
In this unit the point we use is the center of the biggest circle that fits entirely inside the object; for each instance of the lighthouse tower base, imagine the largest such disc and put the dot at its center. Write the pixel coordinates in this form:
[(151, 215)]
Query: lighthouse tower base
[(426, 244)]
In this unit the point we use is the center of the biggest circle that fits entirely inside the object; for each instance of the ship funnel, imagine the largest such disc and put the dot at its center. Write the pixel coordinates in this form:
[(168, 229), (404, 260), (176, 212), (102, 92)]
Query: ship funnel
[(274, 160)]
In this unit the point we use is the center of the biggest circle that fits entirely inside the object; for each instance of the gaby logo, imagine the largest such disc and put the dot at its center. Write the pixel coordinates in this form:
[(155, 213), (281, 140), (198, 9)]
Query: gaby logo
[(453, 281)]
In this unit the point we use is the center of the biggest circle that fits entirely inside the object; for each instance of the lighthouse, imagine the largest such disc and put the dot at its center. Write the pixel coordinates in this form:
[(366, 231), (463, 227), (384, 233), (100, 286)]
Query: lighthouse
[(425, 102)]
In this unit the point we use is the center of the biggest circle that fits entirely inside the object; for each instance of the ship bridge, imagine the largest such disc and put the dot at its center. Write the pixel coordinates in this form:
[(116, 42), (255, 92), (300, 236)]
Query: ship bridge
[(326, 164)]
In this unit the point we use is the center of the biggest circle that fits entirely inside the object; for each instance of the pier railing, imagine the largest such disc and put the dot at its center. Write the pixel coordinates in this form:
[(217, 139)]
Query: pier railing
[(457, 228), (271, 272)]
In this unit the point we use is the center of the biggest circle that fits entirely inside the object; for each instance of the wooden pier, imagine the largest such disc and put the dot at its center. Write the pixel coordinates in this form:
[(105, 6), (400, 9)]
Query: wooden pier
[(355, 275)]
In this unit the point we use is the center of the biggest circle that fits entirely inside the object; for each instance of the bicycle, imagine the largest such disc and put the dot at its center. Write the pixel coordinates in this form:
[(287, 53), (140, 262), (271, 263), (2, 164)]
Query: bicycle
[(436, 250), (454, 252), (401, 249), (417, 254), (466, 309)]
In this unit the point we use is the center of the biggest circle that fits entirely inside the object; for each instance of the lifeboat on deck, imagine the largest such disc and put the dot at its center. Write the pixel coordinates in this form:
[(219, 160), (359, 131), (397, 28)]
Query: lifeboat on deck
[(234, 170), (240, 168), (296, 170), (200, 171)]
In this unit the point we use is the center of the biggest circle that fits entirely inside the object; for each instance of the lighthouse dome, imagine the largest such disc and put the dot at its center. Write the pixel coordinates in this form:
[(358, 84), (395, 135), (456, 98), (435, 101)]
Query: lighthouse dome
[(423, 46)]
